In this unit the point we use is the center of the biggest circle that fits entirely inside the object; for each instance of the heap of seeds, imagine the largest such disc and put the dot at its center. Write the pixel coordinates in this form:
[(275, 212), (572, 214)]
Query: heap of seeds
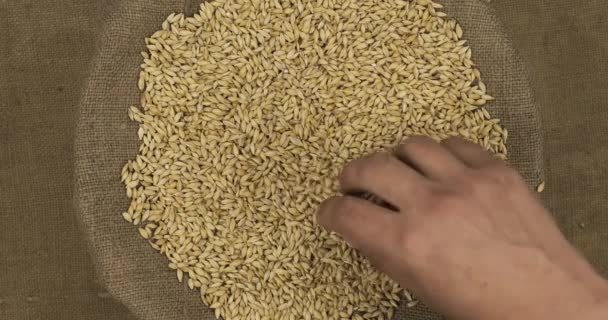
[(249, 110)]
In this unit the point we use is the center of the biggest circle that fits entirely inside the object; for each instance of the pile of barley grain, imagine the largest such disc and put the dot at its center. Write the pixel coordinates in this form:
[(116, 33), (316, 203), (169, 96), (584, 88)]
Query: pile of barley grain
[(249, 110)]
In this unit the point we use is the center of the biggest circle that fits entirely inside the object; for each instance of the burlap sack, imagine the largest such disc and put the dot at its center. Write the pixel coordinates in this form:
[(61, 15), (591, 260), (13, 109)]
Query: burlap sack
[(136, 274)]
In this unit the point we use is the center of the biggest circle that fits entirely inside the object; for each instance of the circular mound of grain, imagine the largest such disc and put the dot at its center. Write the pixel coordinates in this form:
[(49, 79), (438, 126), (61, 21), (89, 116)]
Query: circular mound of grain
[(249, 110)]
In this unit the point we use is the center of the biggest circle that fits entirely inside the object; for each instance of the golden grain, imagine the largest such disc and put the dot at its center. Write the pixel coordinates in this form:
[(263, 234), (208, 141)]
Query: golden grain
[(248, 111), (541, 187)]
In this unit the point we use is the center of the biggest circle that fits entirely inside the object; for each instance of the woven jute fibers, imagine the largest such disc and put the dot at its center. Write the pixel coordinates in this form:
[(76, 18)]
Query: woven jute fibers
[(130, 269)]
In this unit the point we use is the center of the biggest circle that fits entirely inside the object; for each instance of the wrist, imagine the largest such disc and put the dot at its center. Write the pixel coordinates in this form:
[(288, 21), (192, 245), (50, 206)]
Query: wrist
[(572, 299)]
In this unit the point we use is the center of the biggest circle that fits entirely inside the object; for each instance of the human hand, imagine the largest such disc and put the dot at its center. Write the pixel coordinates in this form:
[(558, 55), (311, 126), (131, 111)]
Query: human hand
[(466, 235)]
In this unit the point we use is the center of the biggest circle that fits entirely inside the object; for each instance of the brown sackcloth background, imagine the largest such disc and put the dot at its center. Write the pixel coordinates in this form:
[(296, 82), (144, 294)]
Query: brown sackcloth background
[(46, 49)]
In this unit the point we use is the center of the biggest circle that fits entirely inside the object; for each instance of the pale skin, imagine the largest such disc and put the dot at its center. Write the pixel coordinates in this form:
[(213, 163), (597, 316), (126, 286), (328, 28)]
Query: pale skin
[(465, 233)]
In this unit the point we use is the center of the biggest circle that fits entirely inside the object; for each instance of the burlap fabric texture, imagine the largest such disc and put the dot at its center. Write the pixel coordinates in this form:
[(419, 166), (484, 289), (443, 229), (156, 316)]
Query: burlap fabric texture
[(132, 271)]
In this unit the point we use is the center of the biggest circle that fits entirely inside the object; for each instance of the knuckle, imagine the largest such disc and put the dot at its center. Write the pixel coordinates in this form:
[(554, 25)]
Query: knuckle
[(463, 175), (417, 144), (475, 181), (325, 207), (351, 171), (345, 205), (333, 210), (419, 140), (363, 168), (330, 206), (453, 140), (381, 159), (477, 184)]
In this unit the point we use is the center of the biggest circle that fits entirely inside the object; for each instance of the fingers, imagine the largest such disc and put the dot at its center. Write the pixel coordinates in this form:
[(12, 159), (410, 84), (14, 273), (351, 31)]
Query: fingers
[(383, 175), (418, 163), (365, 226), (469, 153), (429, 158)]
